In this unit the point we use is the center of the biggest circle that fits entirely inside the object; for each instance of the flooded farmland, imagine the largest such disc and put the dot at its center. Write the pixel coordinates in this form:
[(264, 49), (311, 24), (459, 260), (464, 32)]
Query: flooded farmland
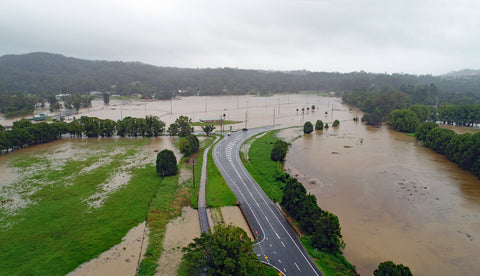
[(395, 199)]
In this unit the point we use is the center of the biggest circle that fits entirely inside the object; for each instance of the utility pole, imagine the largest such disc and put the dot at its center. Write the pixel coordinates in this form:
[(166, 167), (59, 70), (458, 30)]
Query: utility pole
[(273, 115)]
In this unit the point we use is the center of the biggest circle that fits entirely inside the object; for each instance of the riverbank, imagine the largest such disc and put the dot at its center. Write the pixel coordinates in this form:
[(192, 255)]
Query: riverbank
[(268, 178), (382, 184)]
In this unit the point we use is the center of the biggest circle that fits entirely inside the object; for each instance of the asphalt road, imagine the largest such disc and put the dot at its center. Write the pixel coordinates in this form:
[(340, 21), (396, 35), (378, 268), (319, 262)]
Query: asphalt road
[(277, 244)]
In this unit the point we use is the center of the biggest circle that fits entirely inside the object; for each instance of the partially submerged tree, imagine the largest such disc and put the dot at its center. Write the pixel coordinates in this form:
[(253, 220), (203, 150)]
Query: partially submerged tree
[(184, 126), (391, 269), (307, 128), (319, 125), (208, 129)]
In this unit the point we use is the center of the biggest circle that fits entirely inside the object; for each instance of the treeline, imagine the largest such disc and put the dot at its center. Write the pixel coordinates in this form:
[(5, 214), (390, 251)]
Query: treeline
[(462, 149), (45, 74), (377, 106), (323, 226), (24, 132), (17, 105)]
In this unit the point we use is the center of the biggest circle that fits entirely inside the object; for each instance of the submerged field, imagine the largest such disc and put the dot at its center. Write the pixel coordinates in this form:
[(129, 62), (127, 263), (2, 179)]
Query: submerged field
[(64, 204)]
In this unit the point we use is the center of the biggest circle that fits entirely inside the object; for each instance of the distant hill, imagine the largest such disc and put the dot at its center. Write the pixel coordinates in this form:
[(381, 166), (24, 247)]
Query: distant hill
[(465, 73), (47, 74)]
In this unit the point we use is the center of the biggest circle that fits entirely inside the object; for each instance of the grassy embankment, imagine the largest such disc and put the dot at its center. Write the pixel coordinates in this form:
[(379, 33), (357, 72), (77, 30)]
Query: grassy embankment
[(218, 193), (166, 205), (265, 171), (59, 231), (198, 172)]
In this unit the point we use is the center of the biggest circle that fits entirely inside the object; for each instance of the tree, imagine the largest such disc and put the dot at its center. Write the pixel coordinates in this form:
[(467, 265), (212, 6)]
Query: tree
[(189, 144), (172, 129), (327, 236), (390, 269), (319, 125), (184, 126), (438, 138), (336, 123), (185, 147), (226, 251), (307, 127), (403, 120), (374, 118), (193, 141), (166, 163), (106, 98), (424, 129), (279, 150), (208, 129)]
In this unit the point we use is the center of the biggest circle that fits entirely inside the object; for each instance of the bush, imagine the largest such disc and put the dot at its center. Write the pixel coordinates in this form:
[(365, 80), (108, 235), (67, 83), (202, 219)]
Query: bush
[(319, 125), (336, 123)]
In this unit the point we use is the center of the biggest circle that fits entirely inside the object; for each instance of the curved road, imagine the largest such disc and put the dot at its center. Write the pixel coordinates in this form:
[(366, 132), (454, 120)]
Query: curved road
[(277, 245)]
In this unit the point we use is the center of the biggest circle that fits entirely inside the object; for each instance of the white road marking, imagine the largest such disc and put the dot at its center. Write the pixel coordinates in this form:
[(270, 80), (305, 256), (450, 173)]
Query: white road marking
[(297, 266), (283, 244)]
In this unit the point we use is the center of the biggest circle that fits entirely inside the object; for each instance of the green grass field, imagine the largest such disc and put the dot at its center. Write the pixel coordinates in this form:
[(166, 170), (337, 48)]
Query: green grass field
[(218, 193), (262, 168), (198, 171), (59, 229), (330, 264)]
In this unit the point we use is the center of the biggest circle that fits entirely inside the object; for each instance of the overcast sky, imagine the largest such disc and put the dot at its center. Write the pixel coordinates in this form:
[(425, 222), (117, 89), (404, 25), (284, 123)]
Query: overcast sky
[(419, 37)]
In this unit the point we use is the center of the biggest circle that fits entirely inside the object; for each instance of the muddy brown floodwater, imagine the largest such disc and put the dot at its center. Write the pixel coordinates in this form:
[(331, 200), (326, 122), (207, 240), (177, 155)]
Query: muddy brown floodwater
[(395, 199)]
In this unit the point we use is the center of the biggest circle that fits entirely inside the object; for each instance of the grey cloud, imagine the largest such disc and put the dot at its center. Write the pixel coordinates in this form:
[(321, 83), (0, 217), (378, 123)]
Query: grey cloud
[(394, 36)]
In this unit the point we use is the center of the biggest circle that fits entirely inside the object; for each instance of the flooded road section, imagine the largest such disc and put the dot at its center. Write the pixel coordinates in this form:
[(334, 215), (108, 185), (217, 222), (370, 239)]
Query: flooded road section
[(395, 199)]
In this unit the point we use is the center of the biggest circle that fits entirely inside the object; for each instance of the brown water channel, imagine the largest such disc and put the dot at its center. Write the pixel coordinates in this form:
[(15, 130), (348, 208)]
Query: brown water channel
[(395, 199)]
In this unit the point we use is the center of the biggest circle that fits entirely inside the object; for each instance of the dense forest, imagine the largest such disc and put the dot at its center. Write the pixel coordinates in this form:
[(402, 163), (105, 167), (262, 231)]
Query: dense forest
[(44, 74)]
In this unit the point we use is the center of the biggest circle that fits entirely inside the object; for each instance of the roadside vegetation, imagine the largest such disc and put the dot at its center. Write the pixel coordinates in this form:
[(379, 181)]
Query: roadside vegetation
[(218, 193), (322, 228), (262, 168), (226, 251), (167, 204), (462, 149), (198, 171)]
